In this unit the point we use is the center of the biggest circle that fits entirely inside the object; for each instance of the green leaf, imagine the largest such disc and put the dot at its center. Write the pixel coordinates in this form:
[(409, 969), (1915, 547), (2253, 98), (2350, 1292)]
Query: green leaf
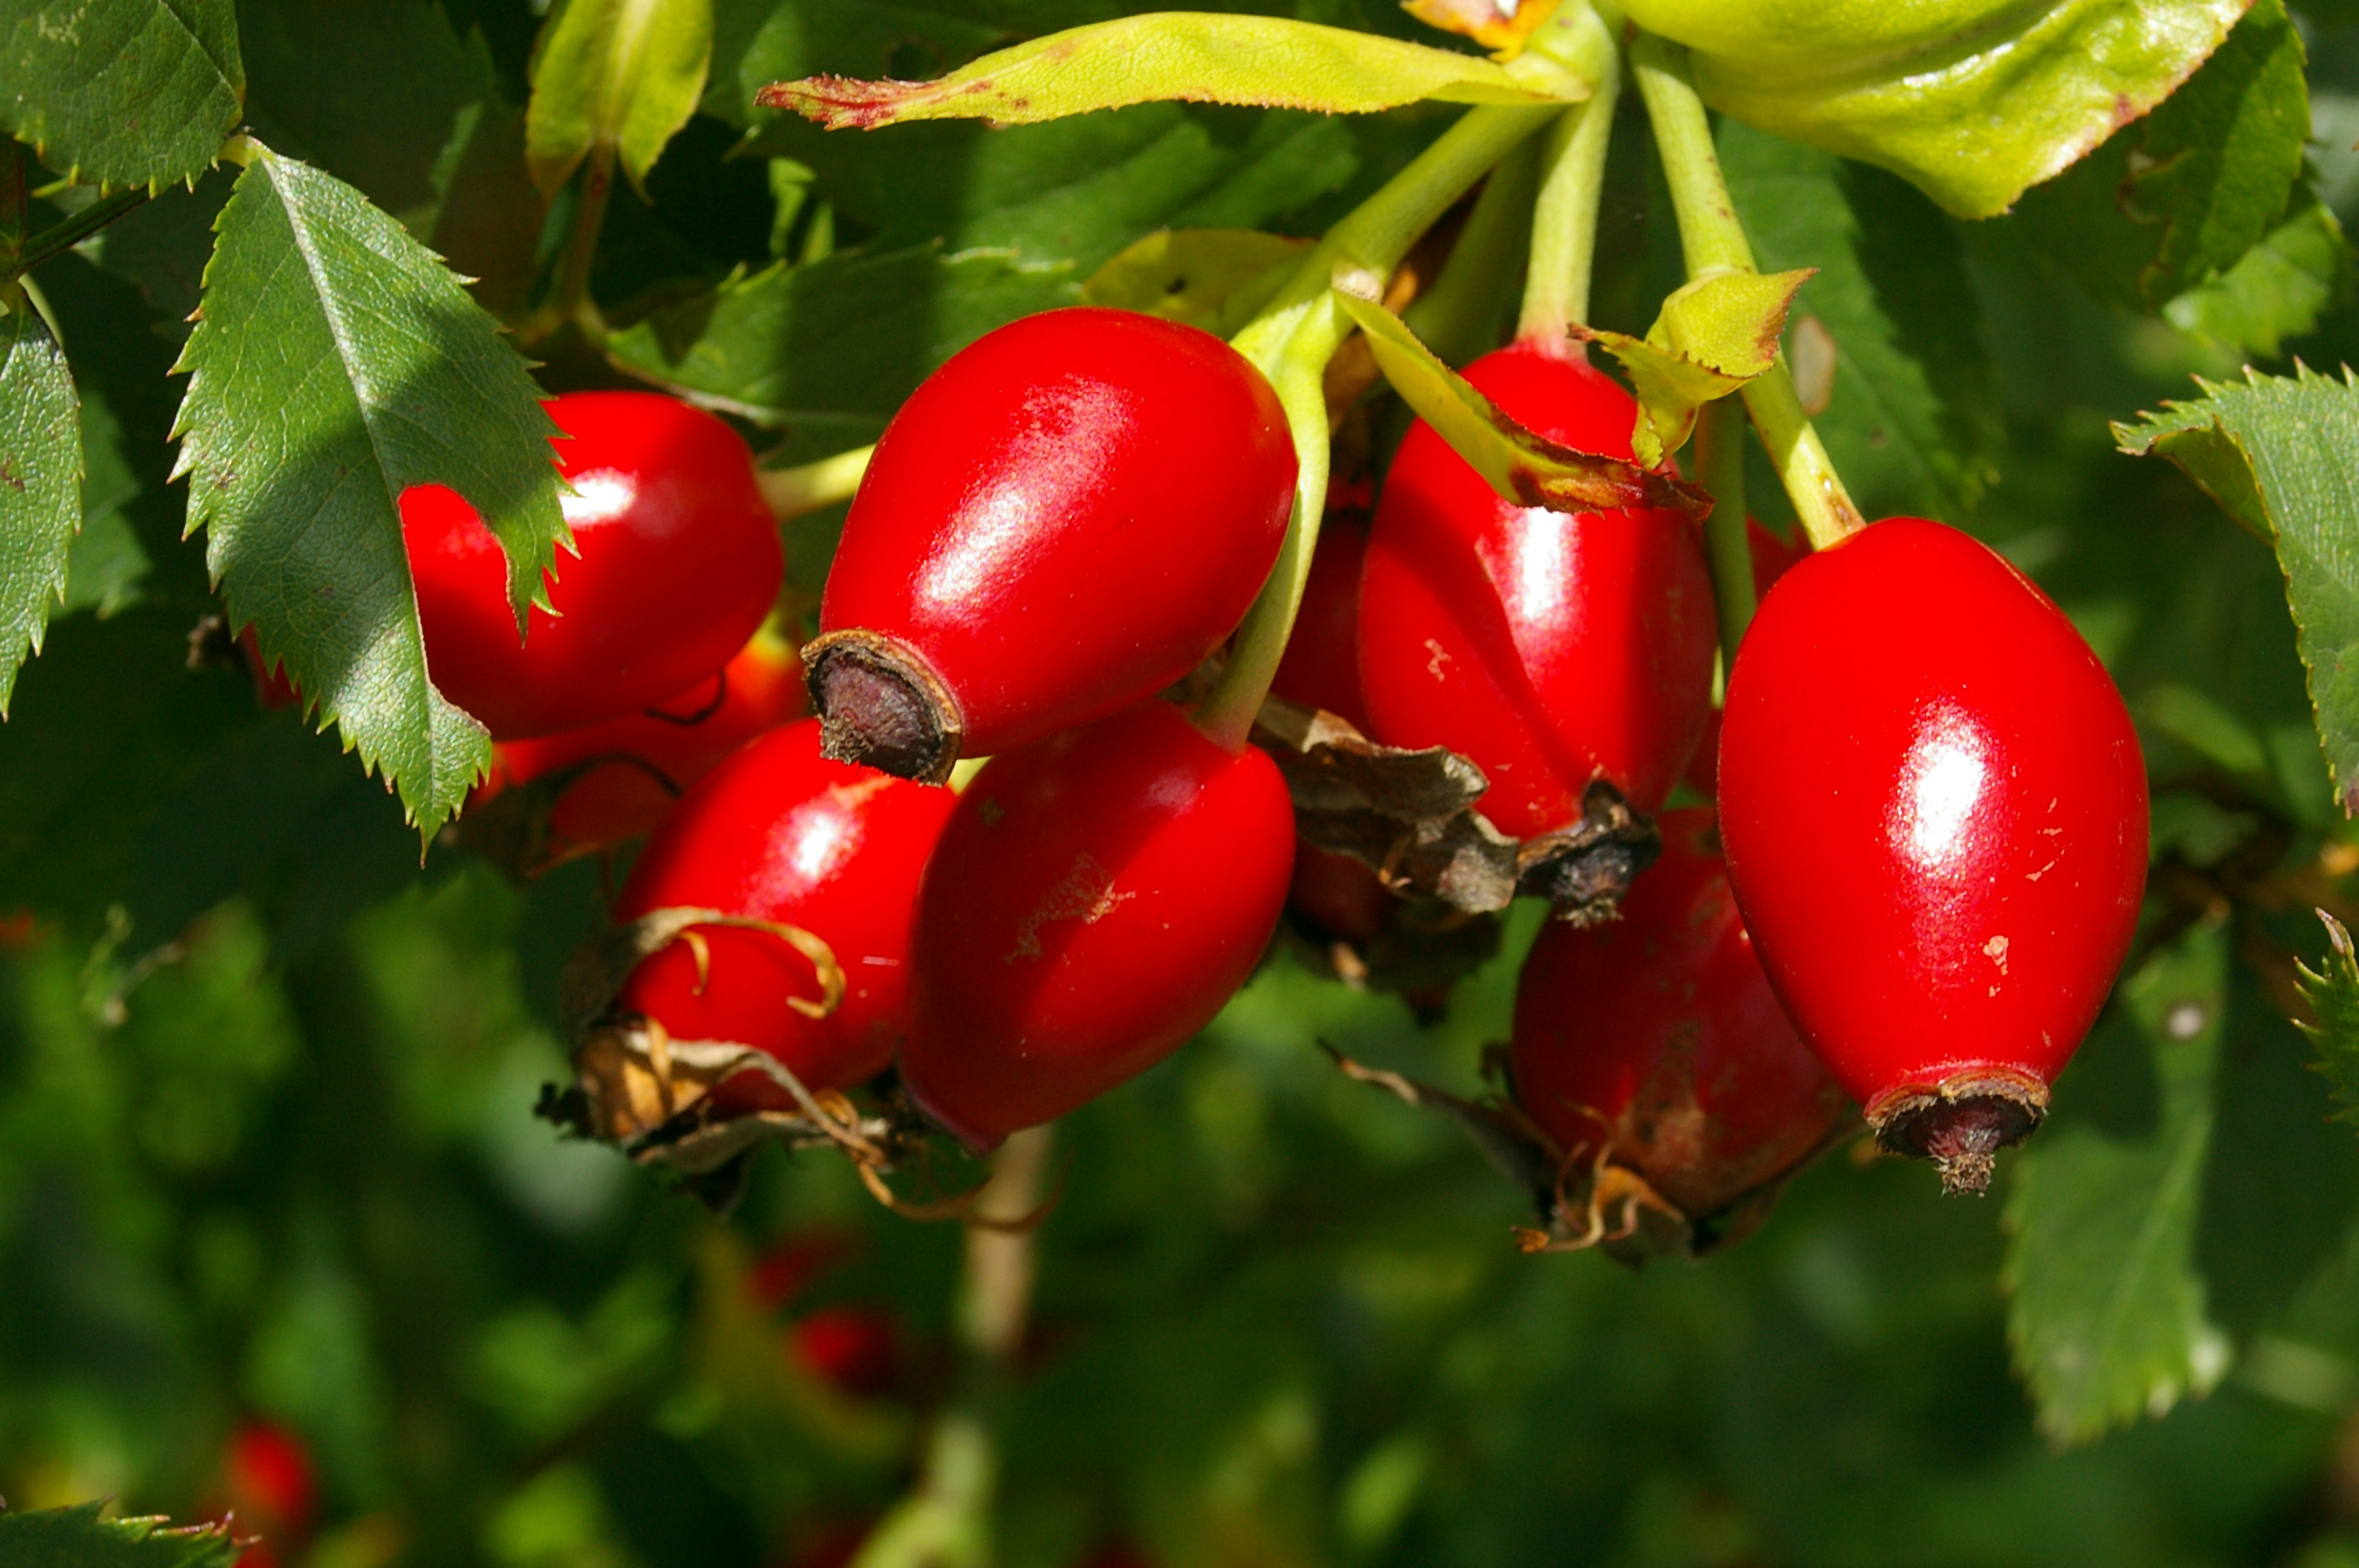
[(1266, 61), (2333, 992), (2275, 452), (1887, 352), (107, 563), (122, 91), (622, 75), (1971, 101), (77, 1537), (756, 43), (2108, 1317), (828, 351), (336, 364), (2280, 288), (2185, 191), (40, 480), (1713, 335), (1213, 278), (1521, 466)]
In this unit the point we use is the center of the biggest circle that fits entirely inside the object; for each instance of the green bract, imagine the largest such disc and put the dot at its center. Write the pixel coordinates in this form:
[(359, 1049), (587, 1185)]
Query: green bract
[(1974, 100)]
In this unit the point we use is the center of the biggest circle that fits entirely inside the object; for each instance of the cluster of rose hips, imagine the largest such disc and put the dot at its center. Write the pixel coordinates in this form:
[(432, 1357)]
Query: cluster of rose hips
[(1930, 803)]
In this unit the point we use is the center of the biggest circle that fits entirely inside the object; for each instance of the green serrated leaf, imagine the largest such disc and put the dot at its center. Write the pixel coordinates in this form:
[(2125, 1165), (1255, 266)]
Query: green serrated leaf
[(2108, 1318), (122, 93), (78, 1537), (1213, 278), (107, 563), (619, 74), (1712, 336), (1888, 353), (1971, 101), (2280, 289), (2275, 452), (2184, 192), (336, 364), (828, 351), (40, 480), (756, 43), (1521, 466), (2333, 992), (1197, 58)]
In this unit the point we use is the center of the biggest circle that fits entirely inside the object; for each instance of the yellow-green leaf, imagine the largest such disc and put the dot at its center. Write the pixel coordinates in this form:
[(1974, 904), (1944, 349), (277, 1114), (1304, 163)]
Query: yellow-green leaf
[(1213, 278), (1266, 61), (1713, 335), (1522, 466), (620, 74)]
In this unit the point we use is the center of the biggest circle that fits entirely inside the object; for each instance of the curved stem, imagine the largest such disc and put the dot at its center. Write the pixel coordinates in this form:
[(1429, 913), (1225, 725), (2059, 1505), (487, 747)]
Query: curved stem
[(807, 487), (1714, 241), (573, 302), (1720, 468), (1292, 339), (1461, 315), (1564, 221), (59, 238)]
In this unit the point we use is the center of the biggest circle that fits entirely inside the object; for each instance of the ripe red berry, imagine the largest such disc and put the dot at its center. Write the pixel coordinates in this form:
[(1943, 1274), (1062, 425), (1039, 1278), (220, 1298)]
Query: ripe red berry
[(1061, 521), (678, 562), (1549, 648), (1321, 666), (1935, 814), (780, 833), (1095, 899), (636, 767), (1657, 1040)]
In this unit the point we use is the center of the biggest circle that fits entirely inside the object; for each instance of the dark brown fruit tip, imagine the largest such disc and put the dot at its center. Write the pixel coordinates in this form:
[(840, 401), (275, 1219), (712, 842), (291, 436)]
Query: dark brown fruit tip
[(1961, 1123), (1585, 868), (881, 705)]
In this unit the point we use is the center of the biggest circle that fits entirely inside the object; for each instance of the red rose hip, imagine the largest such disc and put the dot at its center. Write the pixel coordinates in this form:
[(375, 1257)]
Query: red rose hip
[(1095, 899), (1934, 810), (1063, 520), (678, 561)]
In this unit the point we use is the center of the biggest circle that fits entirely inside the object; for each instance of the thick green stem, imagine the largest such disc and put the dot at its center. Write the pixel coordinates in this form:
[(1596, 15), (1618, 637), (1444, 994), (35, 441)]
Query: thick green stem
[(1564, 221), (573, 302), (1714, 241), (59, 238), (807, 487), (1464, 315), (1720, 469), (1293, 339)]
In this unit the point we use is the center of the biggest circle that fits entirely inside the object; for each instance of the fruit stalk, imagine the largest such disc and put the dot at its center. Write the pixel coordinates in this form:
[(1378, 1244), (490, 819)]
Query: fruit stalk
[(1714, 242), (1564, 221), (1460, 316), (1720, 468), (807, 487), (59, 238)]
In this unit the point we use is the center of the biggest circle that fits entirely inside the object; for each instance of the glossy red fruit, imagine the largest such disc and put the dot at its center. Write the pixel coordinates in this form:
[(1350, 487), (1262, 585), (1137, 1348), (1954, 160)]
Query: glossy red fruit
[(1096, 899), (1549, 648), (678, 562), (1935, 814), (634, 768), (1061, 521), (1321, 666), (780, 833), (1658, 1041)]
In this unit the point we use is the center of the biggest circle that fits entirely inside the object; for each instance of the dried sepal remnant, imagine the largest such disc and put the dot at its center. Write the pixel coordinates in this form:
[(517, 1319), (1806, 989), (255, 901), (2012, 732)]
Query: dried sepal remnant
[(881, 705), (595, 976), (1961, 1123), (1411, 814)]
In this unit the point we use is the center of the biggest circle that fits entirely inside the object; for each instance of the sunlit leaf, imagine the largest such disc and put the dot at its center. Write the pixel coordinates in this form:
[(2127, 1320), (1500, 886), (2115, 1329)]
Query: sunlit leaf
[(2333, 992), (2108, 1317), (122, 91), (336, 364), (2275, 452), (2280, 289), (620, 74), (78, 1537), (1269, 62), (1972, 101), (1713, 335), (1213, 278), (40, 480)]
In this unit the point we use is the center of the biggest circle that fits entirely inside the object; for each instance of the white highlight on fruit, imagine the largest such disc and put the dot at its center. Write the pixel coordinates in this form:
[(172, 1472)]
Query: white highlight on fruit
[(599, 495), (1941, 786)]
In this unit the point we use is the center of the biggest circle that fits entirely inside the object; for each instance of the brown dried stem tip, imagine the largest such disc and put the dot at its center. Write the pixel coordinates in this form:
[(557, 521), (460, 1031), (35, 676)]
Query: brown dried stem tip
[(1961, 1123), (881, 705)]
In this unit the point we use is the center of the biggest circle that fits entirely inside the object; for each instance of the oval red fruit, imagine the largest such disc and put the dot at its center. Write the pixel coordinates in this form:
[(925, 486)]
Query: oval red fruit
[(1935, 814), (1321, 666), (1063, 520), (1549, 648), (1095, 899), (1658, 1037), (780, 833), (678, 563)]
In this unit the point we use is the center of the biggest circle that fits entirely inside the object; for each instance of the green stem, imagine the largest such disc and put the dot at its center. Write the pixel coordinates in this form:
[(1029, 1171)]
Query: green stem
[(1714, 241), (807, 487), (1564, 221), (1293, 339), (572, 302), (59, 238), (1720, 469), (1462, 316)]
